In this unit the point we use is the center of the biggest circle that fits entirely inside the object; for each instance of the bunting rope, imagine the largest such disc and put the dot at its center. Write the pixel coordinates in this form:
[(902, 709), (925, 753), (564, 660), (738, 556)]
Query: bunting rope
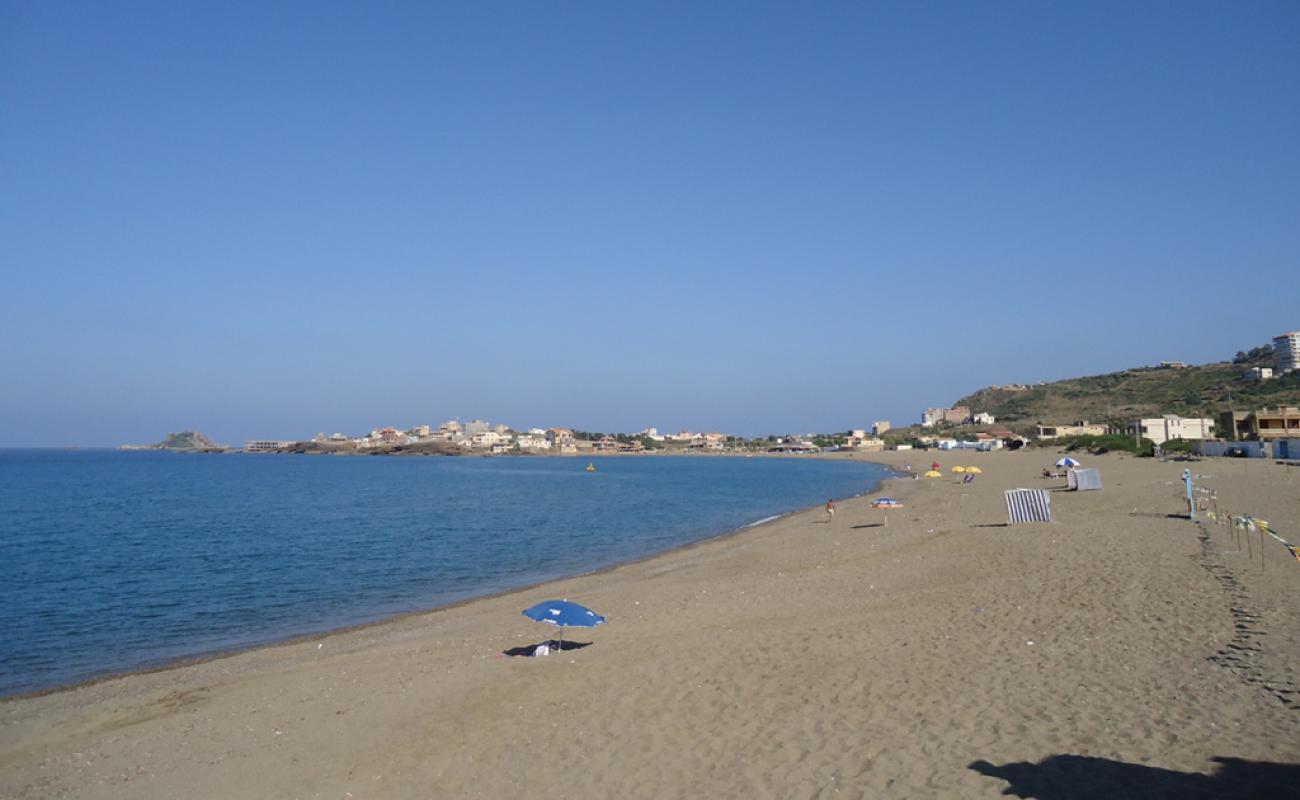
[(1207, 500)]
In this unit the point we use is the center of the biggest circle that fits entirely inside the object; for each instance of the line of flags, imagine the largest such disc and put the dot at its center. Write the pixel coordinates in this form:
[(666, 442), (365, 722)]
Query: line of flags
[(1247, 523)]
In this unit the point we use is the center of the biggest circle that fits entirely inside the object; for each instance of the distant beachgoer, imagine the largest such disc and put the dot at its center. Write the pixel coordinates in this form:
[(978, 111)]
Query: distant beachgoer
[(935, 465), (830, 510), (1047, 473), (968, 479)]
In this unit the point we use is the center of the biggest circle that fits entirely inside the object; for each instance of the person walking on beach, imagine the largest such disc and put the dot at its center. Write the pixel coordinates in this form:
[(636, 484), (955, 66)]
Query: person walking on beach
[(830, 510)]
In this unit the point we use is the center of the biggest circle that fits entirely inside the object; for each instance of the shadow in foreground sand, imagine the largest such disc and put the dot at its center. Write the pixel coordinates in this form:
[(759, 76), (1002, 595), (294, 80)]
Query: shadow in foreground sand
[(528, 649), (1071, 777)]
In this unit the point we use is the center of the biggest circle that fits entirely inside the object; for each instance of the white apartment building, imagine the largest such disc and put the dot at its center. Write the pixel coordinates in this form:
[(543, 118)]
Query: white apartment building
[(531, 441), (1258, 374), (1286, 352), (485, 439), (476, 426), (264, 445), (984, 418), (932, 416), (880, 426), (1161, 429)]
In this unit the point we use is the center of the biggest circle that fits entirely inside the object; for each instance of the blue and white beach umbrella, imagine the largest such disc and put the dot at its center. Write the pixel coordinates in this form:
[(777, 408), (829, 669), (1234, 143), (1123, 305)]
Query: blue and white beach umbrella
[(1067, 462), (563, 614)]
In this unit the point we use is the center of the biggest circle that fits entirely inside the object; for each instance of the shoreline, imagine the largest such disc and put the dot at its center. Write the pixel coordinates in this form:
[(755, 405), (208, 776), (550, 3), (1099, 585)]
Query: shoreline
[(299, 638), (1120, 648)]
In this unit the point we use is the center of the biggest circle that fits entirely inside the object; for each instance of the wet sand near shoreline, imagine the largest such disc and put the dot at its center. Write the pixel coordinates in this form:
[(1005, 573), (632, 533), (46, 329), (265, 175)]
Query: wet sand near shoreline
[(1121, 650)]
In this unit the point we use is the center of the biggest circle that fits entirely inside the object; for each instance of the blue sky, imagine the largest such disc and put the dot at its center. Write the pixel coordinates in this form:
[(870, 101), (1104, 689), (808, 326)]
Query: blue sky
[(272, 221)]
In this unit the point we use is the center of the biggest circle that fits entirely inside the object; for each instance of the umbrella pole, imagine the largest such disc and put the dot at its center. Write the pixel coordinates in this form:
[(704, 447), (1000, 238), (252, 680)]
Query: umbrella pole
[(561, 648)]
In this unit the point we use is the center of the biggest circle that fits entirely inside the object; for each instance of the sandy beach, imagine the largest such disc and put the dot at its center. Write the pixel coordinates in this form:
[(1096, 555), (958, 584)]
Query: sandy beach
[(1121, 650)]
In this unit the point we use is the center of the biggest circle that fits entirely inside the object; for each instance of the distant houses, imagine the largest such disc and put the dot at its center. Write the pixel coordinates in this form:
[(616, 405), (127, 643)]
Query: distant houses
[(265, 445), (957, 415), (1171, 426), (934, 416), (1262, 424), (1080, 428), (1286, 352)]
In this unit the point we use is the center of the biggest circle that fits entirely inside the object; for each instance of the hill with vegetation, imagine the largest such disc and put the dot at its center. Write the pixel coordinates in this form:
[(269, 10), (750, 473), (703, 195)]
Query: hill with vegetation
[(1120, 397)]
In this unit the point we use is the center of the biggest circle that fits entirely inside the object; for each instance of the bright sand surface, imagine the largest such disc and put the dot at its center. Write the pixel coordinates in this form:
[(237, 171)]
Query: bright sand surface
[(1114, 652)]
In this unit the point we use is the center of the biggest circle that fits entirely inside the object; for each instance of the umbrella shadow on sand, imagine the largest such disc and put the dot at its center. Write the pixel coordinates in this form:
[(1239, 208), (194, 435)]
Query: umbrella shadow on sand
[(529, 649), (1071, 777)]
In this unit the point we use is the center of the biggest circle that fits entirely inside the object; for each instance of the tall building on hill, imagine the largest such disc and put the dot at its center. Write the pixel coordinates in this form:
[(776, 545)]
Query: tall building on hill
[(1286, 352)]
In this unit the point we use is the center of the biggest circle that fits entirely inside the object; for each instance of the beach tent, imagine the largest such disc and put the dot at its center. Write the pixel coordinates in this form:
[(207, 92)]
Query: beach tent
[(1084, 480), (1028, 505)]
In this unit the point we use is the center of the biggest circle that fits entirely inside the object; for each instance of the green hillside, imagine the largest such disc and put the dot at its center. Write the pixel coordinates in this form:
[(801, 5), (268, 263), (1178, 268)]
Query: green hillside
[(1142, 392)]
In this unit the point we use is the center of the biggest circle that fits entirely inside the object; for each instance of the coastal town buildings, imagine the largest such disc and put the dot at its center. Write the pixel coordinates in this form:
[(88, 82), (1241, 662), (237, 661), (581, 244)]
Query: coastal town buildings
[(389, 435), (265, 445), (486, 439), (866, 444), (1286, 352), (708, 441), (1262, 424), (560, 438), (1171, 426), (650, 433), (1258, 374), (533, 442), (955, 415), (983, 418), (880, 426), (1080, 428)]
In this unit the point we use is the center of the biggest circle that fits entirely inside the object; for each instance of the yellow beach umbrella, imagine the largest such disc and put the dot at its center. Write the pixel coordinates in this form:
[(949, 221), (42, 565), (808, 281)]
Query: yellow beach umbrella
[(934, 473), (975, 470), (958, 469)]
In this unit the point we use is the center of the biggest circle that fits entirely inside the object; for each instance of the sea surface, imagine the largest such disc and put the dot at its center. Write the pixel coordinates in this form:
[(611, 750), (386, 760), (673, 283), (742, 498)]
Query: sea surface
[(115, 561)]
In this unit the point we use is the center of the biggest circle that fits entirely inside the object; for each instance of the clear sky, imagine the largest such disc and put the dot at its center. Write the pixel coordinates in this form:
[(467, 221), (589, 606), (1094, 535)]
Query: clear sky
[(273, 219)]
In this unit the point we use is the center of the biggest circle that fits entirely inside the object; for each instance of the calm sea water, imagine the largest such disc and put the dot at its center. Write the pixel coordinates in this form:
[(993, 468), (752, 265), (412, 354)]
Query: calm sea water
[(112, 561)]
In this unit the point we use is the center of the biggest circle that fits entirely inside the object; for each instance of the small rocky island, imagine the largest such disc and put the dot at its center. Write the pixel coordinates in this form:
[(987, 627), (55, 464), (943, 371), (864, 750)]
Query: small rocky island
[(189, 441)]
